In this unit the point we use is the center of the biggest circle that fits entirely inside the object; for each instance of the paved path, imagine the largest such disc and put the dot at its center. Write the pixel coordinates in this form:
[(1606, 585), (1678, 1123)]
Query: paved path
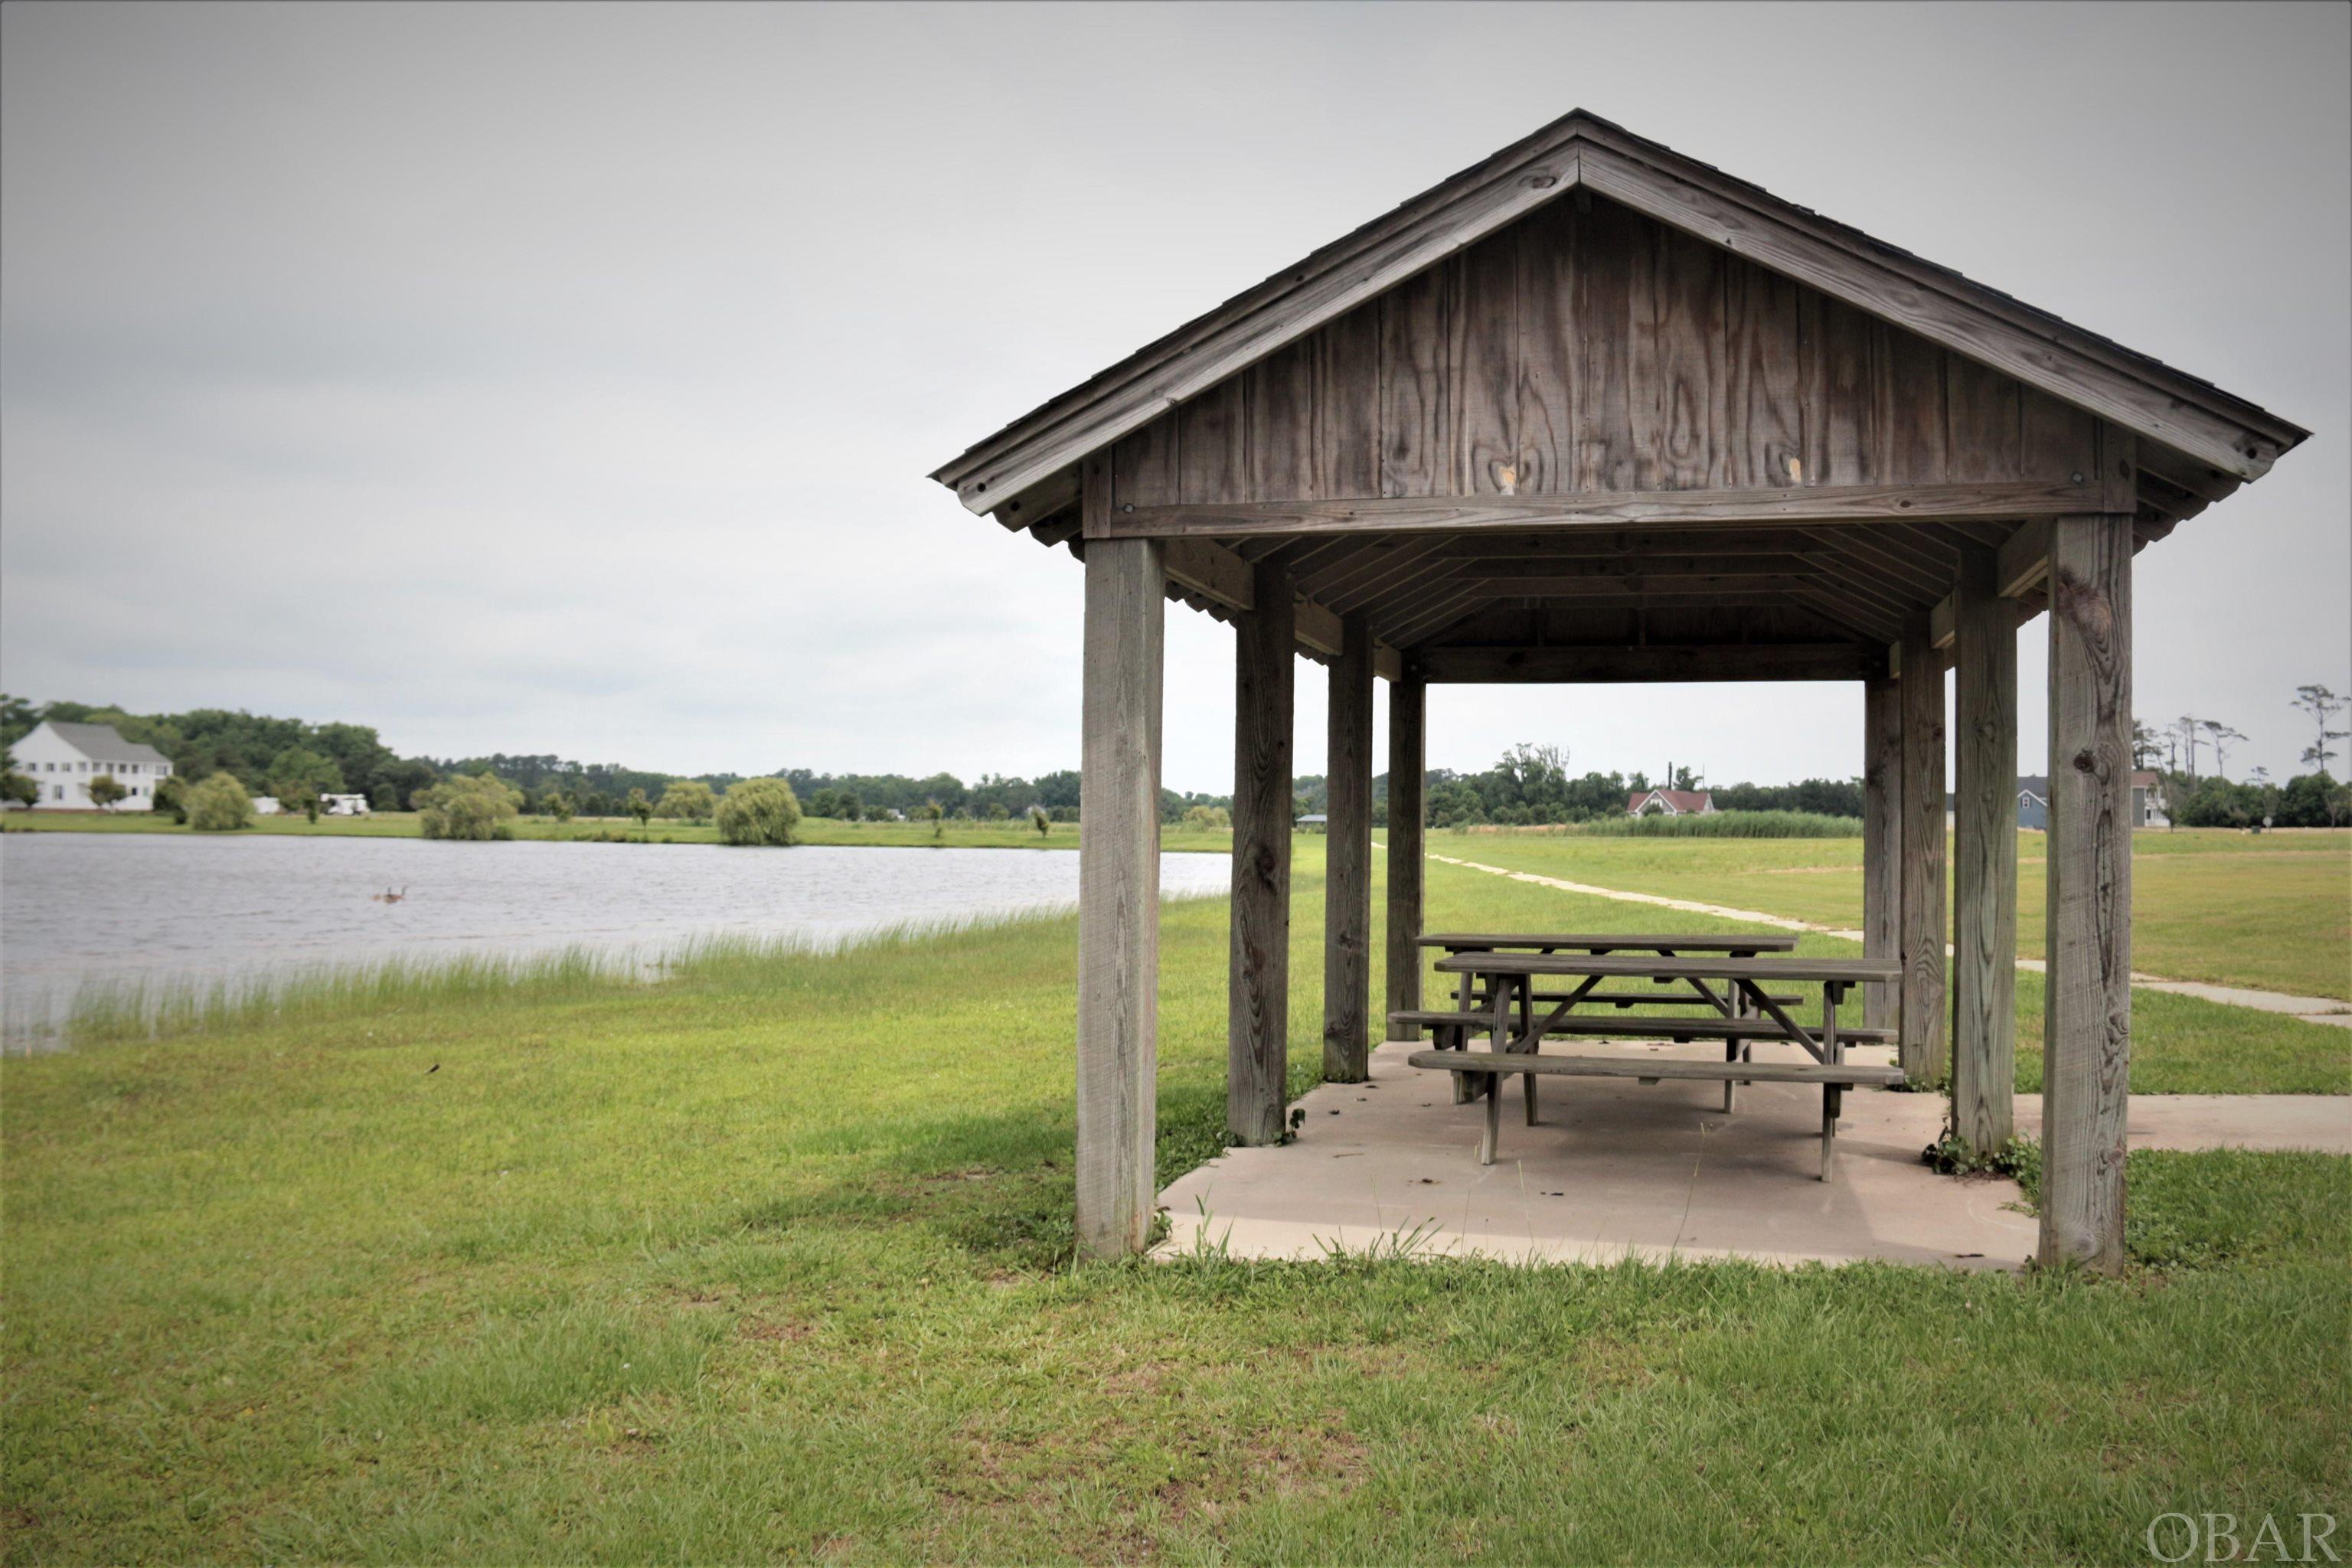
[(1616, 1169), (2310, 1009)]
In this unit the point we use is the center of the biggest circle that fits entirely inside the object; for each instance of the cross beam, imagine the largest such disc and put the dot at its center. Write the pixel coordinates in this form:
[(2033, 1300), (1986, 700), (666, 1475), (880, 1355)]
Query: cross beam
[(1668, 662)]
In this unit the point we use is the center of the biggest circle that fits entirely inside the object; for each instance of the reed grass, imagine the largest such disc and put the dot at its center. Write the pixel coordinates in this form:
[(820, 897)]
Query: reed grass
[(108, 1010), (1725, 825)]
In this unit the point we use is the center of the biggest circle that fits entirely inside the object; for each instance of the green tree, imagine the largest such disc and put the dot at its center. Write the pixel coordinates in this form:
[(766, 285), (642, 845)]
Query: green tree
[(1208, 817), (558, 805), (219, 804), (936, 814), (640, 807), (688, 798), (299, 777), (1042, 820), (2322, 705), (398, 785), (18, 717), (759, 811), (471, 806), (172, 795), (19, 788), (106, 790)]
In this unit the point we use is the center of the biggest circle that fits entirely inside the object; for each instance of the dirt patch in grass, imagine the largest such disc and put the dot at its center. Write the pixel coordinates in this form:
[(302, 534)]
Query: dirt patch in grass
[(776, 1333)]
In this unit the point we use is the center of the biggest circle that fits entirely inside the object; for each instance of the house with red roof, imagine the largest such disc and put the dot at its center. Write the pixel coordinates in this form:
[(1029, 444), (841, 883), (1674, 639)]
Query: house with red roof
[(1670, 802)]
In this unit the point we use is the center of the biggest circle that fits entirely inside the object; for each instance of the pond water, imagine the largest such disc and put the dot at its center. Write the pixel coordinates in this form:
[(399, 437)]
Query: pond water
[(112, 907)]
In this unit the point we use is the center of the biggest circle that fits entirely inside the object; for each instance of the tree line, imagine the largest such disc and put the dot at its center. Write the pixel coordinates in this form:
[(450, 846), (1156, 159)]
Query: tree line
[(297, 761), (2312, 799)]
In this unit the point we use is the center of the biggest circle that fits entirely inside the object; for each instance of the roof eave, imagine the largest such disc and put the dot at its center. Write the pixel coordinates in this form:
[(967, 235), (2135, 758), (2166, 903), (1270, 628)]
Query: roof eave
[(1583, 151)]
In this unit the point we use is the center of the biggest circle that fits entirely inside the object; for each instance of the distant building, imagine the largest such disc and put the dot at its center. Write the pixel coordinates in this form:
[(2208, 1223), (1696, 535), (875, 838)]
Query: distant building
[(343, 806), (1670, 802), (2034, 803), (1316, 822), (62, 759), (2148, 807)]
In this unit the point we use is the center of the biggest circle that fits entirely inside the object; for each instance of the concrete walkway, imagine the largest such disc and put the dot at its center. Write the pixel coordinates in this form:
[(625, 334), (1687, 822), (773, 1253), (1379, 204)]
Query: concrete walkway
[(1616, 1169), (2310, 1009)]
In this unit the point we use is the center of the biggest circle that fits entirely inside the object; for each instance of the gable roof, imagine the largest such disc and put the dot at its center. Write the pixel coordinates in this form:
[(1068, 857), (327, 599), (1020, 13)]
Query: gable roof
[(1680, 801), (2236, 438), (103, 743)]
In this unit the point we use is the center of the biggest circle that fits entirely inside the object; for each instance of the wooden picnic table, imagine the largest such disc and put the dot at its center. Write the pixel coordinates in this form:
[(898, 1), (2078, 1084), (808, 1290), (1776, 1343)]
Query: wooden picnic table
[(1745, 1011), (1609, 941), (1737, 944)]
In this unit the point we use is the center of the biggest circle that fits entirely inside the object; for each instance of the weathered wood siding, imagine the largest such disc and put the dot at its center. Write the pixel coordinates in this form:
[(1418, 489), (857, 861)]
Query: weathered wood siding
[(1587, 348)]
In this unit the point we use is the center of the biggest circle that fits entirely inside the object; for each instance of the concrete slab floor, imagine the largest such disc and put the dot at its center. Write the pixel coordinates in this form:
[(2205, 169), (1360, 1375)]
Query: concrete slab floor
[(1616, 1169)]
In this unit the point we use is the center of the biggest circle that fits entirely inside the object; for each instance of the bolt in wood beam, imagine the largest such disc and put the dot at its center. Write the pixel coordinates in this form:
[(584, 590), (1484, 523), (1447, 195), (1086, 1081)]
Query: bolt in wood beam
[(2086, 1019), (1347, 878), (1984, 850), (1258, 1026)]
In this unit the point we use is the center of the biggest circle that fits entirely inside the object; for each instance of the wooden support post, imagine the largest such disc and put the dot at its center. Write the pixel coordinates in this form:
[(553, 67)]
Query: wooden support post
[(1408, 709), (1257, 1017), (1984, 850), (1922, 921), (1348, 877), (1119, 891), (2087, 1023), (1882, 840)]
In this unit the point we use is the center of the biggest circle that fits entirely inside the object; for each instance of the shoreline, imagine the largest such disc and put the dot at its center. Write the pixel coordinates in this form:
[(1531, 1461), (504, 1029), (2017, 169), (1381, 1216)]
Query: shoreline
[(813, 832)]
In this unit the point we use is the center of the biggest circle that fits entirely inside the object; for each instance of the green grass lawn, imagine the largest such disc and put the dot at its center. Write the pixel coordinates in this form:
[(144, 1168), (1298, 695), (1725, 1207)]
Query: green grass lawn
[(740, 1265), (2271, 911)]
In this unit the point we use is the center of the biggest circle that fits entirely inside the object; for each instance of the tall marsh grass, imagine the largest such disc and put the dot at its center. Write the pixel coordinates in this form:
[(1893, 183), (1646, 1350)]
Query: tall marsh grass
[(1727, 825), (107, 1010)]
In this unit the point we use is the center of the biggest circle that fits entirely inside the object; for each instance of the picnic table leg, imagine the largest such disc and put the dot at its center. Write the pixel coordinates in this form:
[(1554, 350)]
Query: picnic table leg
[(1832, 1094), (1527, 1027), (1465, 1002), (1494, 1133), (1733, 1051)]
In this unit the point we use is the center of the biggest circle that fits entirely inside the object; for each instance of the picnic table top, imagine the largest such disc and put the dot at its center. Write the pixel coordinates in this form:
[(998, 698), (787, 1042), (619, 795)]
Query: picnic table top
[(1710, 942), (1845, 971)]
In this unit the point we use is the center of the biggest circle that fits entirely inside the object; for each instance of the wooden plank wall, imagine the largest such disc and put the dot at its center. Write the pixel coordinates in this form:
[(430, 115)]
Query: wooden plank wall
[(1587, 347)]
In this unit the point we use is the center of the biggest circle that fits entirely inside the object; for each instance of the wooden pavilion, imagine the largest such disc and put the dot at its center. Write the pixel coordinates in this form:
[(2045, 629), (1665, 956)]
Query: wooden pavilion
[(1591, 411)]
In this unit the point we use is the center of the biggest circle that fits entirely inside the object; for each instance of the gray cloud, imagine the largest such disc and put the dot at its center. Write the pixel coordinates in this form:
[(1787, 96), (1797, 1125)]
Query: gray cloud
[(562, 377)]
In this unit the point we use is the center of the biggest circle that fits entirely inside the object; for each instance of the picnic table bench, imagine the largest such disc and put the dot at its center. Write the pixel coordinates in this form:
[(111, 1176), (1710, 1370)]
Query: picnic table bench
[(1496, 982)]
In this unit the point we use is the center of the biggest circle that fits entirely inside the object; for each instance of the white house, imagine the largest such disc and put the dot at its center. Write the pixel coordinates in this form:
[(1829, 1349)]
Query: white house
[(62, 759), (343, 805)]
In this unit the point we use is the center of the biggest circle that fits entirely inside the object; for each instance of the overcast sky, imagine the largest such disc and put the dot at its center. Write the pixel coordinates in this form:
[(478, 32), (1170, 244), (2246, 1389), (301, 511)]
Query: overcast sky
[(562, 378)]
